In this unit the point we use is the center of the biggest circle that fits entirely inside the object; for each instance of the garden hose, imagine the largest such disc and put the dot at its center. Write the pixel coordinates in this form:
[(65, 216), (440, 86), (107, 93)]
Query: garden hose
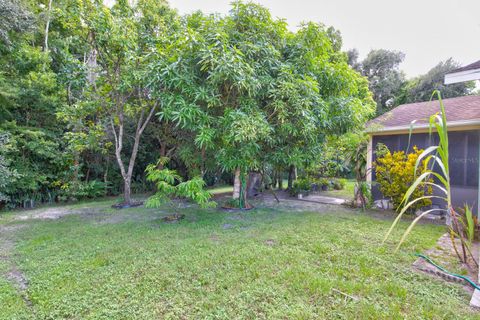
[(473, 284)]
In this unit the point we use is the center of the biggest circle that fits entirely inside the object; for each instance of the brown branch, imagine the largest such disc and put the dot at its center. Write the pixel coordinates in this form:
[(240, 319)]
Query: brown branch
[(150, 114)]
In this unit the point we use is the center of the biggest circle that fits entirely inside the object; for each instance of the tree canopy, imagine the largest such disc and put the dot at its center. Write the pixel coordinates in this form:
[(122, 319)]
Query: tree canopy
[(94, 94), (421, 88), (390, 87), (254, 93), (381, 67)]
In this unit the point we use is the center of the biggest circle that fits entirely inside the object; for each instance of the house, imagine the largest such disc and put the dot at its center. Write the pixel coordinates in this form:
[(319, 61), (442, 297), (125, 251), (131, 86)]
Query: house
[(463, 118), (467, 73)]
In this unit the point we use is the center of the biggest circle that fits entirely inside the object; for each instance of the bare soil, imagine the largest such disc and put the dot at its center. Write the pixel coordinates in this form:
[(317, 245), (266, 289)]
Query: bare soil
[(13, 274)]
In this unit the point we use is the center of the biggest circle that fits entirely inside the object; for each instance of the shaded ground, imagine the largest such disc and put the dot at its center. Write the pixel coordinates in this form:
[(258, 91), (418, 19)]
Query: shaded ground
[(293, 259)]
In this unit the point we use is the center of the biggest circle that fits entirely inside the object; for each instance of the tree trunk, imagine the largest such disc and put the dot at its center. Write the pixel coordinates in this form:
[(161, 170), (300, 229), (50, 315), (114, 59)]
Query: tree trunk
[(239, 188), (76, 166), (163, 153), (105, 178), (236, 184), (202, 166), (127, 197), (47, 25), (291, 176), (127, 175)]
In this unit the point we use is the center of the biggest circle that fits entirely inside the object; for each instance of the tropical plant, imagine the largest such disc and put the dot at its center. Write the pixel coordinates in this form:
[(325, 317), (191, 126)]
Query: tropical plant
[(395, 172), (437, 156), (362, 189), (469, 223), (170, 185)]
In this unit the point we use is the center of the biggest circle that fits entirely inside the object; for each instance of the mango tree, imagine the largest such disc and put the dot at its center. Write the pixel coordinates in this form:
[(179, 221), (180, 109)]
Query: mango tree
[(315, 94), (254, 93)]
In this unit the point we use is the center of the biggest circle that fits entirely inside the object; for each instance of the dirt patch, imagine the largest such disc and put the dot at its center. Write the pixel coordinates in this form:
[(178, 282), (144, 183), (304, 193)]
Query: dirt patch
[(235, 217), (46, 214), (173, 218), (127, 205), (270, 242), (215, 238), (13, 275), (444, 255), (17, 277)]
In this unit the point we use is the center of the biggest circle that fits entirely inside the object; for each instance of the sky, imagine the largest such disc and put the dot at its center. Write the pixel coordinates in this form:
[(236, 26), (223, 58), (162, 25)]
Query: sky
[(427, 31)]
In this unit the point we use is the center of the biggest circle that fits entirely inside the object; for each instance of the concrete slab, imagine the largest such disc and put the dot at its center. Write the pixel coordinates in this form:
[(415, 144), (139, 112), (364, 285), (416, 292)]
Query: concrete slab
[(323, 199), (475, 301)]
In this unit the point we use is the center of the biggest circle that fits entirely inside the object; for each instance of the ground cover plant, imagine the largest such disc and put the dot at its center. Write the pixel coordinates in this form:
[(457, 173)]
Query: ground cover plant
[(273, 262)]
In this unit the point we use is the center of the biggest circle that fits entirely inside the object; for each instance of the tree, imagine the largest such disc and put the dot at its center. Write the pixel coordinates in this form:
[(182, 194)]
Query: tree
[(30, 95), (7, 175), (121, 42), (322, 96), (381, 67), (420, 89), (14, 17), (352, 59), (254, 93), (83, 83)]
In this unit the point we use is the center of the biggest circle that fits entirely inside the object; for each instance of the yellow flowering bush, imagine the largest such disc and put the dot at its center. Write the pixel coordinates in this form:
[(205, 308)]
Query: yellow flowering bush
[(395, 173)]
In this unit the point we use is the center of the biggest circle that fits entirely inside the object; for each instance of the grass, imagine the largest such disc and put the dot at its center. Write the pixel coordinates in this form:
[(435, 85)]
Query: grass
[(262, 264), (346, 193), (221, 189)]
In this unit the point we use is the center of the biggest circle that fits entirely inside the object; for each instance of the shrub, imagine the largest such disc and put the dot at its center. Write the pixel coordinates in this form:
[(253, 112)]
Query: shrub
[(323, 182), (339, 184), (303, 185), (395, 173), (77, 190)]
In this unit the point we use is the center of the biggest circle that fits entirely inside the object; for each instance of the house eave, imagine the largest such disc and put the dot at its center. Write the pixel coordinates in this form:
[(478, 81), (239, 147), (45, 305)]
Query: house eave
[(463, 125), (462, 76)]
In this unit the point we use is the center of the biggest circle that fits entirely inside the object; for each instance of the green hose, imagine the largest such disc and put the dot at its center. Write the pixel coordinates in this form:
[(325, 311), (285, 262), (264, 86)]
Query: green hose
[(473, 284)]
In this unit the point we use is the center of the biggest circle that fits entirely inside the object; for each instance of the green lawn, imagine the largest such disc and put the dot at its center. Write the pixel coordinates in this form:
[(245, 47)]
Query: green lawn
[(346, 193), (221, 189), (262, 264)]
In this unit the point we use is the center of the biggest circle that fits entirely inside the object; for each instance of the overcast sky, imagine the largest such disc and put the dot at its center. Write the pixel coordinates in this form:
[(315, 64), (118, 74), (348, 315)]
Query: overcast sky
[(428, 31)]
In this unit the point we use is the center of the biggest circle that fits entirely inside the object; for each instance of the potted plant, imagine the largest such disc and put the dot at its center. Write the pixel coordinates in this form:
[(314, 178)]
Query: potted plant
[(324, 183), (301, 188)]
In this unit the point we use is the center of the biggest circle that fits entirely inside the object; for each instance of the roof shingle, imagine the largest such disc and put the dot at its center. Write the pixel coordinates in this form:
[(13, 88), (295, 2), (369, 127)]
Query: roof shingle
[(456, 109)]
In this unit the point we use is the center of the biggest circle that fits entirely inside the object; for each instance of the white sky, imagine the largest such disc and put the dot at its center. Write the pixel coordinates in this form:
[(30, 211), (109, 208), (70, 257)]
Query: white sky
[(427, 31)]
